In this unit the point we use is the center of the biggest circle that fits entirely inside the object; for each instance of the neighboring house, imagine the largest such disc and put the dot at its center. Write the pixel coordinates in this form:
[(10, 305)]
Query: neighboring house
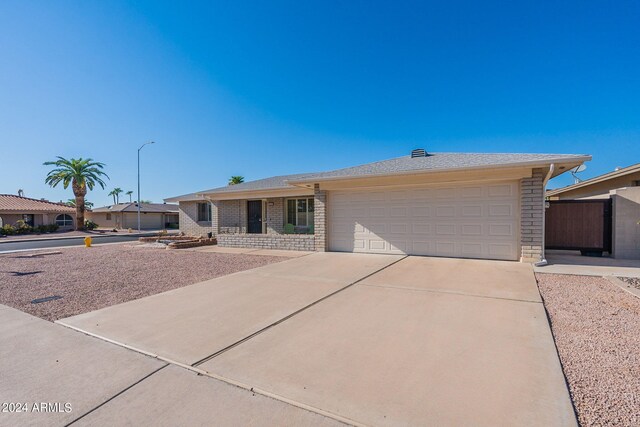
[(622, 187), (35, 212), (441, 204), (153, 216)]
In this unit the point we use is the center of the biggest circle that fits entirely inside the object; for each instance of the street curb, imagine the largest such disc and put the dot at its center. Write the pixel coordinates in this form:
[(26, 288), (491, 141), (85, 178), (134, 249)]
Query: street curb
[(40, 239)]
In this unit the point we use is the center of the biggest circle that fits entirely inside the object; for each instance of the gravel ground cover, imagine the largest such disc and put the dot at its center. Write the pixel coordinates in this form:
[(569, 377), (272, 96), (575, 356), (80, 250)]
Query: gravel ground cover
[(596, 326), (104, 275)]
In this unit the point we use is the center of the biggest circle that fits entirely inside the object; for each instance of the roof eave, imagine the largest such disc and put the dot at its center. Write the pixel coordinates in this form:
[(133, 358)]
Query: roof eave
[(532, 164), (596, 180)]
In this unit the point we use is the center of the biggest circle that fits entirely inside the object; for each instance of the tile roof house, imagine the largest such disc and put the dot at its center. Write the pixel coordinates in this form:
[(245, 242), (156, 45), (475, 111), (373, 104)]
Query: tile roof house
[(442, 204), (35, 212), (153, 216)]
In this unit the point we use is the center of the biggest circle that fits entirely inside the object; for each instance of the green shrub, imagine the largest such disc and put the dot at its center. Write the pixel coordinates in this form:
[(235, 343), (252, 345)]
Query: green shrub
[(22, 227), (90, 225), (7, 230), (50, 228), (40, 229)]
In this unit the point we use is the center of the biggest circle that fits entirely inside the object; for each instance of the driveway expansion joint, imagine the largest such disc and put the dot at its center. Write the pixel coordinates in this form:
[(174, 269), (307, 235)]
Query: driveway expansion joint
[(247, 338), (116, 395)]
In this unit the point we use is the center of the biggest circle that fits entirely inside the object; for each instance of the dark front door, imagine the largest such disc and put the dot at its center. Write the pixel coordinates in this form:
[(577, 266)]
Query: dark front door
[(254, 216)]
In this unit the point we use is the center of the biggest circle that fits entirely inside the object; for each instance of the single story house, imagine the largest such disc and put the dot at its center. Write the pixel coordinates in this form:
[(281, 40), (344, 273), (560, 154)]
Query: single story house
[(440, 204), (622, 187), (153, 216), (35, 212)]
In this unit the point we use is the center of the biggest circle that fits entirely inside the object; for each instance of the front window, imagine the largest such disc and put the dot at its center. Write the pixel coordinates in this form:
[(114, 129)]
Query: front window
[(300, 212), (64, 220), (28, 219), (204, 212)]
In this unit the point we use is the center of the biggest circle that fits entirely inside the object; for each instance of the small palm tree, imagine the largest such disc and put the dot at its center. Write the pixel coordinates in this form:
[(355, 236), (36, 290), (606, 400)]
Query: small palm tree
[(112, 194), (116, 195), (129, 193), (82, 174), (236, 180)]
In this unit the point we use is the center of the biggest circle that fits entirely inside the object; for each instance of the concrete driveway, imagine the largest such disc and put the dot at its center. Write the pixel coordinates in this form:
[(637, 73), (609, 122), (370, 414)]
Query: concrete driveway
[(362, 339)]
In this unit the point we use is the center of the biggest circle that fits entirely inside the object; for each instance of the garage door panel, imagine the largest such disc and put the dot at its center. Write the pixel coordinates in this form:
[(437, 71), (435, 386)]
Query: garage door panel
[(474, 221), (471, 249), (472, 211), (471, 192), (501, 190), (500, 230), (445, 211), (421, 228), (471, 229)]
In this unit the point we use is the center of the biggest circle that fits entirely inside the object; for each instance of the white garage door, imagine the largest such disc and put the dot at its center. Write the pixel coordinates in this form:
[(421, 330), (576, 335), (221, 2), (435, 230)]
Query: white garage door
[(472, 221), (148, 221)]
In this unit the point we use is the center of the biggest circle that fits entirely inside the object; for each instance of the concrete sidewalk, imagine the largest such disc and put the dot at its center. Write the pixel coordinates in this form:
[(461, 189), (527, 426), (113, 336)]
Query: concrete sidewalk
[(44, 362), (87, 381), (571, 262)]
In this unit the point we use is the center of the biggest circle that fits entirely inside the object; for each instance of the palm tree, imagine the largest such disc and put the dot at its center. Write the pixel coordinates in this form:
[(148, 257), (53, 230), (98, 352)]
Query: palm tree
[(112, 194), (72, 203), (236, 180), (82, 174), (129, 193), (116, 194)]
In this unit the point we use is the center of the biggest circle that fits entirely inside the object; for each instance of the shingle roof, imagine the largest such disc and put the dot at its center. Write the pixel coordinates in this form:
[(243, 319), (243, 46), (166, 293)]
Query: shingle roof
[(272, 183), (399, 165), (11, 203), (441, 162), (144, 207)]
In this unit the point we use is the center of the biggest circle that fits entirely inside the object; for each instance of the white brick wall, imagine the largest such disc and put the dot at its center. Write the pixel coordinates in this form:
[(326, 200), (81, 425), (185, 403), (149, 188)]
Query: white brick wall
[(188, 218), (320, 218), (295, 242), (531, 214), (274, 216)]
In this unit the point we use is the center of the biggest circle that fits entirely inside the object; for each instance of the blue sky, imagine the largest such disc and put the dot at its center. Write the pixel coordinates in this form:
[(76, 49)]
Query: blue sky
[(267, 88)]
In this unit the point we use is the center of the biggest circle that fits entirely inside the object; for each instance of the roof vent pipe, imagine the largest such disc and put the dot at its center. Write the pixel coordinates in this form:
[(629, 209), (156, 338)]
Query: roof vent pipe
[(418, 152)]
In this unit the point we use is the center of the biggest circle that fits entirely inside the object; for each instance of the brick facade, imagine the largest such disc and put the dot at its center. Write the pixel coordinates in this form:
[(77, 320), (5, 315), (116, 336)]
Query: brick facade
[(320, 218), (188, 218), (294, 242), (275, 216), (531, 217)]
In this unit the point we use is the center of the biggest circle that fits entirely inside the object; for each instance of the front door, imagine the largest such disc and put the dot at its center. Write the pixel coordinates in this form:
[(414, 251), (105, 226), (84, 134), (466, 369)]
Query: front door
[(254, 216)]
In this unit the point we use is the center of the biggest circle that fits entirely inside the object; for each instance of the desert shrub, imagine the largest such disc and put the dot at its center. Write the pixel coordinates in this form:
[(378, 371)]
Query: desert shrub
[(50, 228), (22, 227), (40, 229), (7, 230), (90, 225)]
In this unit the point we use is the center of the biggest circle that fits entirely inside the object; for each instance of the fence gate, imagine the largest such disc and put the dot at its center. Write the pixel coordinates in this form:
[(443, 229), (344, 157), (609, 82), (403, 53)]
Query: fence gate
[(583, 225)]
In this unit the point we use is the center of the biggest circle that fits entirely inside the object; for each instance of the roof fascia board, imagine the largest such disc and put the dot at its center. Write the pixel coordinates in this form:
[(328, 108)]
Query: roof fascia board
[(532, 165)]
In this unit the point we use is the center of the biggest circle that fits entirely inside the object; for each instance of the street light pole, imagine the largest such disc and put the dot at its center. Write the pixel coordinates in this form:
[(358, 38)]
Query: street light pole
[(141, 147)]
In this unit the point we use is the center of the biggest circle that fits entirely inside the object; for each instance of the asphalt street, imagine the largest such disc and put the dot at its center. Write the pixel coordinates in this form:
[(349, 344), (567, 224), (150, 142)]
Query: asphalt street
[(56, 243)]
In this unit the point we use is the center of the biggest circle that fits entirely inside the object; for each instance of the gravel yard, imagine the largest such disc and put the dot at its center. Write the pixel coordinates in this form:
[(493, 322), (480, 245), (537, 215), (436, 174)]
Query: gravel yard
[(596, 326), (89, 279)]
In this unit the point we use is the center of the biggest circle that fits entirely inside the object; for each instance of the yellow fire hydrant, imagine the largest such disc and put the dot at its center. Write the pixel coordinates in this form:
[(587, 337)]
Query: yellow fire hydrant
[(87, 241)]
